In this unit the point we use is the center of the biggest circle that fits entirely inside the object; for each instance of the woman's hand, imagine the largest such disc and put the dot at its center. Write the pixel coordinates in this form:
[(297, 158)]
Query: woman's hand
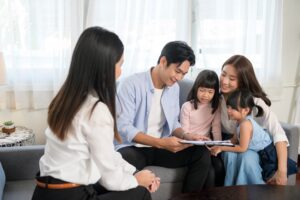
[(154, 185), (279, 178), (145, 178)]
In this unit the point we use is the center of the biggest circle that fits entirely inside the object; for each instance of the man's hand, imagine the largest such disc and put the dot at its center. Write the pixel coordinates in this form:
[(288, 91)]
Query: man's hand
[(279, 178), (172, 144)]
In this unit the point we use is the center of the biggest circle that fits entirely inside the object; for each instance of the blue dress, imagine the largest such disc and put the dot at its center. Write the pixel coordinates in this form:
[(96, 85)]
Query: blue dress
[(244, 168)]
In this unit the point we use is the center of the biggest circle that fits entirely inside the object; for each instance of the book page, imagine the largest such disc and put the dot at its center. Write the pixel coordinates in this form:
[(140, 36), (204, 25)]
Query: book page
[(209, 143)]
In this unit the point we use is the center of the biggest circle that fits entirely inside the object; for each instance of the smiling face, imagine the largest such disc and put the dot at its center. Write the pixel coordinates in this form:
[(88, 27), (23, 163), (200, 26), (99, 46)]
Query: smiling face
[(228, 79), (205, 95), (172, 73)]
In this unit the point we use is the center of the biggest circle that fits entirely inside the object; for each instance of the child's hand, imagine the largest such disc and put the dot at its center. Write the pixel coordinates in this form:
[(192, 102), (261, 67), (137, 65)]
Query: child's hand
[(192, 136), (215, 150)]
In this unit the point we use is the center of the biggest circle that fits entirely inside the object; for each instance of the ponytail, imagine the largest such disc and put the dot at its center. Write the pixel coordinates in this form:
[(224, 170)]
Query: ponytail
[(260, 111)]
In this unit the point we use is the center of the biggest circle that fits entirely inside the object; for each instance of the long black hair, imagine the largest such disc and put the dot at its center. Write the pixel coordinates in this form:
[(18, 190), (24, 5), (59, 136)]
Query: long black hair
[(207, 79), (246, 76), (92, 69), (243, 99)]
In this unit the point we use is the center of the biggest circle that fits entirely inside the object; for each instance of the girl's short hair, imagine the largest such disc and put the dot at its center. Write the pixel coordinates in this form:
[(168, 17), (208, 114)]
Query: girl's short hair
[(243, 99), (207, 79)]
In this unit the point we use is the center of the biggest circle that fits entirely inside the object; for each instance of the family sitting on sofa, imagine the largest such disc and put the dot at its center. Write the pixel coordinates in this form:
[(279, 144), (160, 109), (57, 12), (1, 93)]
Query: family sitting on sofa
[(98, 143)]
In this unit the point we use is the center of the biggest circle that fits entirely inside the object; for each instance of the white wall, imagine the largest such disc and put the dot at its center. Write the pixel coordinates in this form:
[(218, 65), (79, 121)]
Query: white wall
[(290, 59), (37, 119)]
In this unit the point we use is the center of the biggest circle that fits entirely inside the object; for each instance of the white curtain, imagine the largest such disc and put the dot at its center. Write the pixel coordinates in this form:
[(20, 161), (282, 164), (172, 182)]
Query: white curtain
[(249, 27), (37, 38), (144, 26), (296, 109)]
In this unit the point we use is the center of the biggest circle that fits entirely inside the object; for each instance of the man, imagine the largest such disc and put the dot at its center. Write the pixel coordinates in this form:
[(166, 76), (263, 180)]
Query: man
[(148, 112)]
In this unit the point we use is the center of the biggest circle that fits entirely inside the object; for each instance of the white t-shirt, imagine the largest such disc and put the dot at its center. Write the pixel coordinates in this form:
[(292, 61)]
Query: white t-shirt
[(87, 155), (156, 118)]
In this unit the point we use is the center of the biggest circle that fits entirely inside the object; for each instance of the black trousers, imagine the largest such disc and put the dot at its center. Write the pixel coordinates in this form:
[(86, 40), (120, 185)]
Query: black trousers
[(90, 192), (216, 174), (196, 158)]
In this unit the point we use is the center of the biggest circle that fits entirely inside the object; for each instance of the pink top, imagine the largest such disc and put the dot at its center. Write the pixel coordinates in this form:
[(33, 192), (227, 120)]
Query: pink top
[(201, 121)]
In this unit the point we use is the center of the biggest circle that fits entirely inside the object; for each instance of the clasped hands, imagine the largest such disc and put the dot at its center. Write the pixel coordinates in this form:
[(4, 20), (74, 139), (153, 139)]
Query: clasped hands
[(147, 179)]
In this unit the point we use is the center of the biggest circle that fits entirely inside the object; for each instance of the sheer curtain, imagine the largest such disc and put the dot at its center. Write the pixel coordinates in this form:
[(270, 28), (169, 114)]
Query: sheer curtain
[(144, 26), (296, 110), (249, 27), (36, 39), (39, 37)]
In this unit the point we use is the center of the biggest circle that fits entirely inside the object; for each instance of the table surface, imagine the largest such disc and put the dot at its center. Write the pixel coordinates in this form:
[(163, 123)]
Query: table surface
[(251, 192), (22, 136)]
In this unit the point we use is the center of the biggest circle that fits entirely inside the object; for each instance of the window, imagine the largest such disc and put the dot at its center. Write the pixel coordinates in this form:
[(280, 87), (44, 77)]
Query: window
[(37, 37)]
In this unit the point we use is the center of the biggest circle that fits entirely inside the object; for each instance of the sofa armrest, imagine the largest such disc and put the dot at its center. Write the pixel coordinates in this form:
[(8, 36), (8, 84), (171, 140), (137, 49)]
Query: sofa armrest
[(21, 162), (292, 133)]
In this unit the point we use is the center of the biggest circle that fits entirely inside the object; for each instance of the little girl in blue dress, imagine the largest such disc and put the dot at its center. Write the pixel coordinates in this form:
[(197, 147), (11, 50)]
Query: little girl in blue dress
[(250, 137)]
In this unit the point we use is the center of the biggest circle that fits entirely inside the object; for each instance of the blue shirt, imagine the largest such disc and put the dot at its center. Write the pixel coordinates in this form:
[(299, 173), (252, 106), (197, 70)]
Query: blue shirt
[(134, 103)]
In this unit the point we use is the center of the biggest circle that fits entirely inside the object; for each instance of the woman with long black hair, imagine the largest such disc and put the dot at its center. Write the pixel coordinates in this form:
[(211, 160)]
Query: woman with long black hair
[(79, 160)]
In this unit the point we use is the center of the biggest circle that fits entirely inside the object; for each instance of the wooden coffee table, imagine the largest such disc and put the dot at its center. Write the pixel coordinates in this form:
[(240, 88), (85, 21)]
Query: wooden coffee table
[(251, 192)]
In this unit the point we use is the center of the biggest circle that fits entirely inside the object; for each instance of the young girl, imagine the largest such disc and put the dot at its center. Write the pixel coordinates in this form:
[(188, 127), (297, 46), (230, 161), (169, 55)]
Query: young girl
[(250, 136), (201, 115), (79, 160)]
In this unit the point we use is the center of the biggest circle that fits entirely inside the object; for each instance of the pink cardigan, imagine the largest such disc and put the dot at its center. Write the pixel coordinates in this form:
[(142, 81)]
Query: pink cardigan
[(201, 121)]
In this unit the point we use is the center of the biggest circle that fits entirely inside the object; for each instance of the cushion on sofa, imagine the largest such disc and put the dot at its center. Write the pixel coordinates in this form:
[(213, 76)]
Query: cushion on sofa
[(171, 181), (168, 175), (2, 181)]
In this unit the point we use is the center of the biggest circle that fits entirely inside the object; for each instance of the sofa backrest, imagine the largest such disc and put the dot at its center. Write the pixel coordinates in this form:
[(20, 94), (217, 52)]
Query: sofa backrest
[(21, 162), (185, 86)]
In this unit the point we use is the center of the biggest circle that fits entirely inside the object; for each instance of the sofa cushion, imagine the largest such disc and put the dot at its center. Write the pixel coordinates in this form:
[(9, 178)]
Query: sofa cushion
[(19, 190), (170, 181), (2, 181), (168, 175)]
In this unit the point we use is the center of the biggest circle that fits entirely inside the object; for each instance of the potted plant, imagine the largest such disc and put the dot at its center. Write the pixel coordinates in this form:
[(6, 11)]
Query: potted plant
[(8, 127)]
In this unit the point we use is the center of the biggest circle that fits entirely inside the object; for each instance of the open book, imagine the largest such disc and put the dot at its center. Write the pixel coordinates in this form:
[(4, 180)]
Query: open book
[(209, 142)]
